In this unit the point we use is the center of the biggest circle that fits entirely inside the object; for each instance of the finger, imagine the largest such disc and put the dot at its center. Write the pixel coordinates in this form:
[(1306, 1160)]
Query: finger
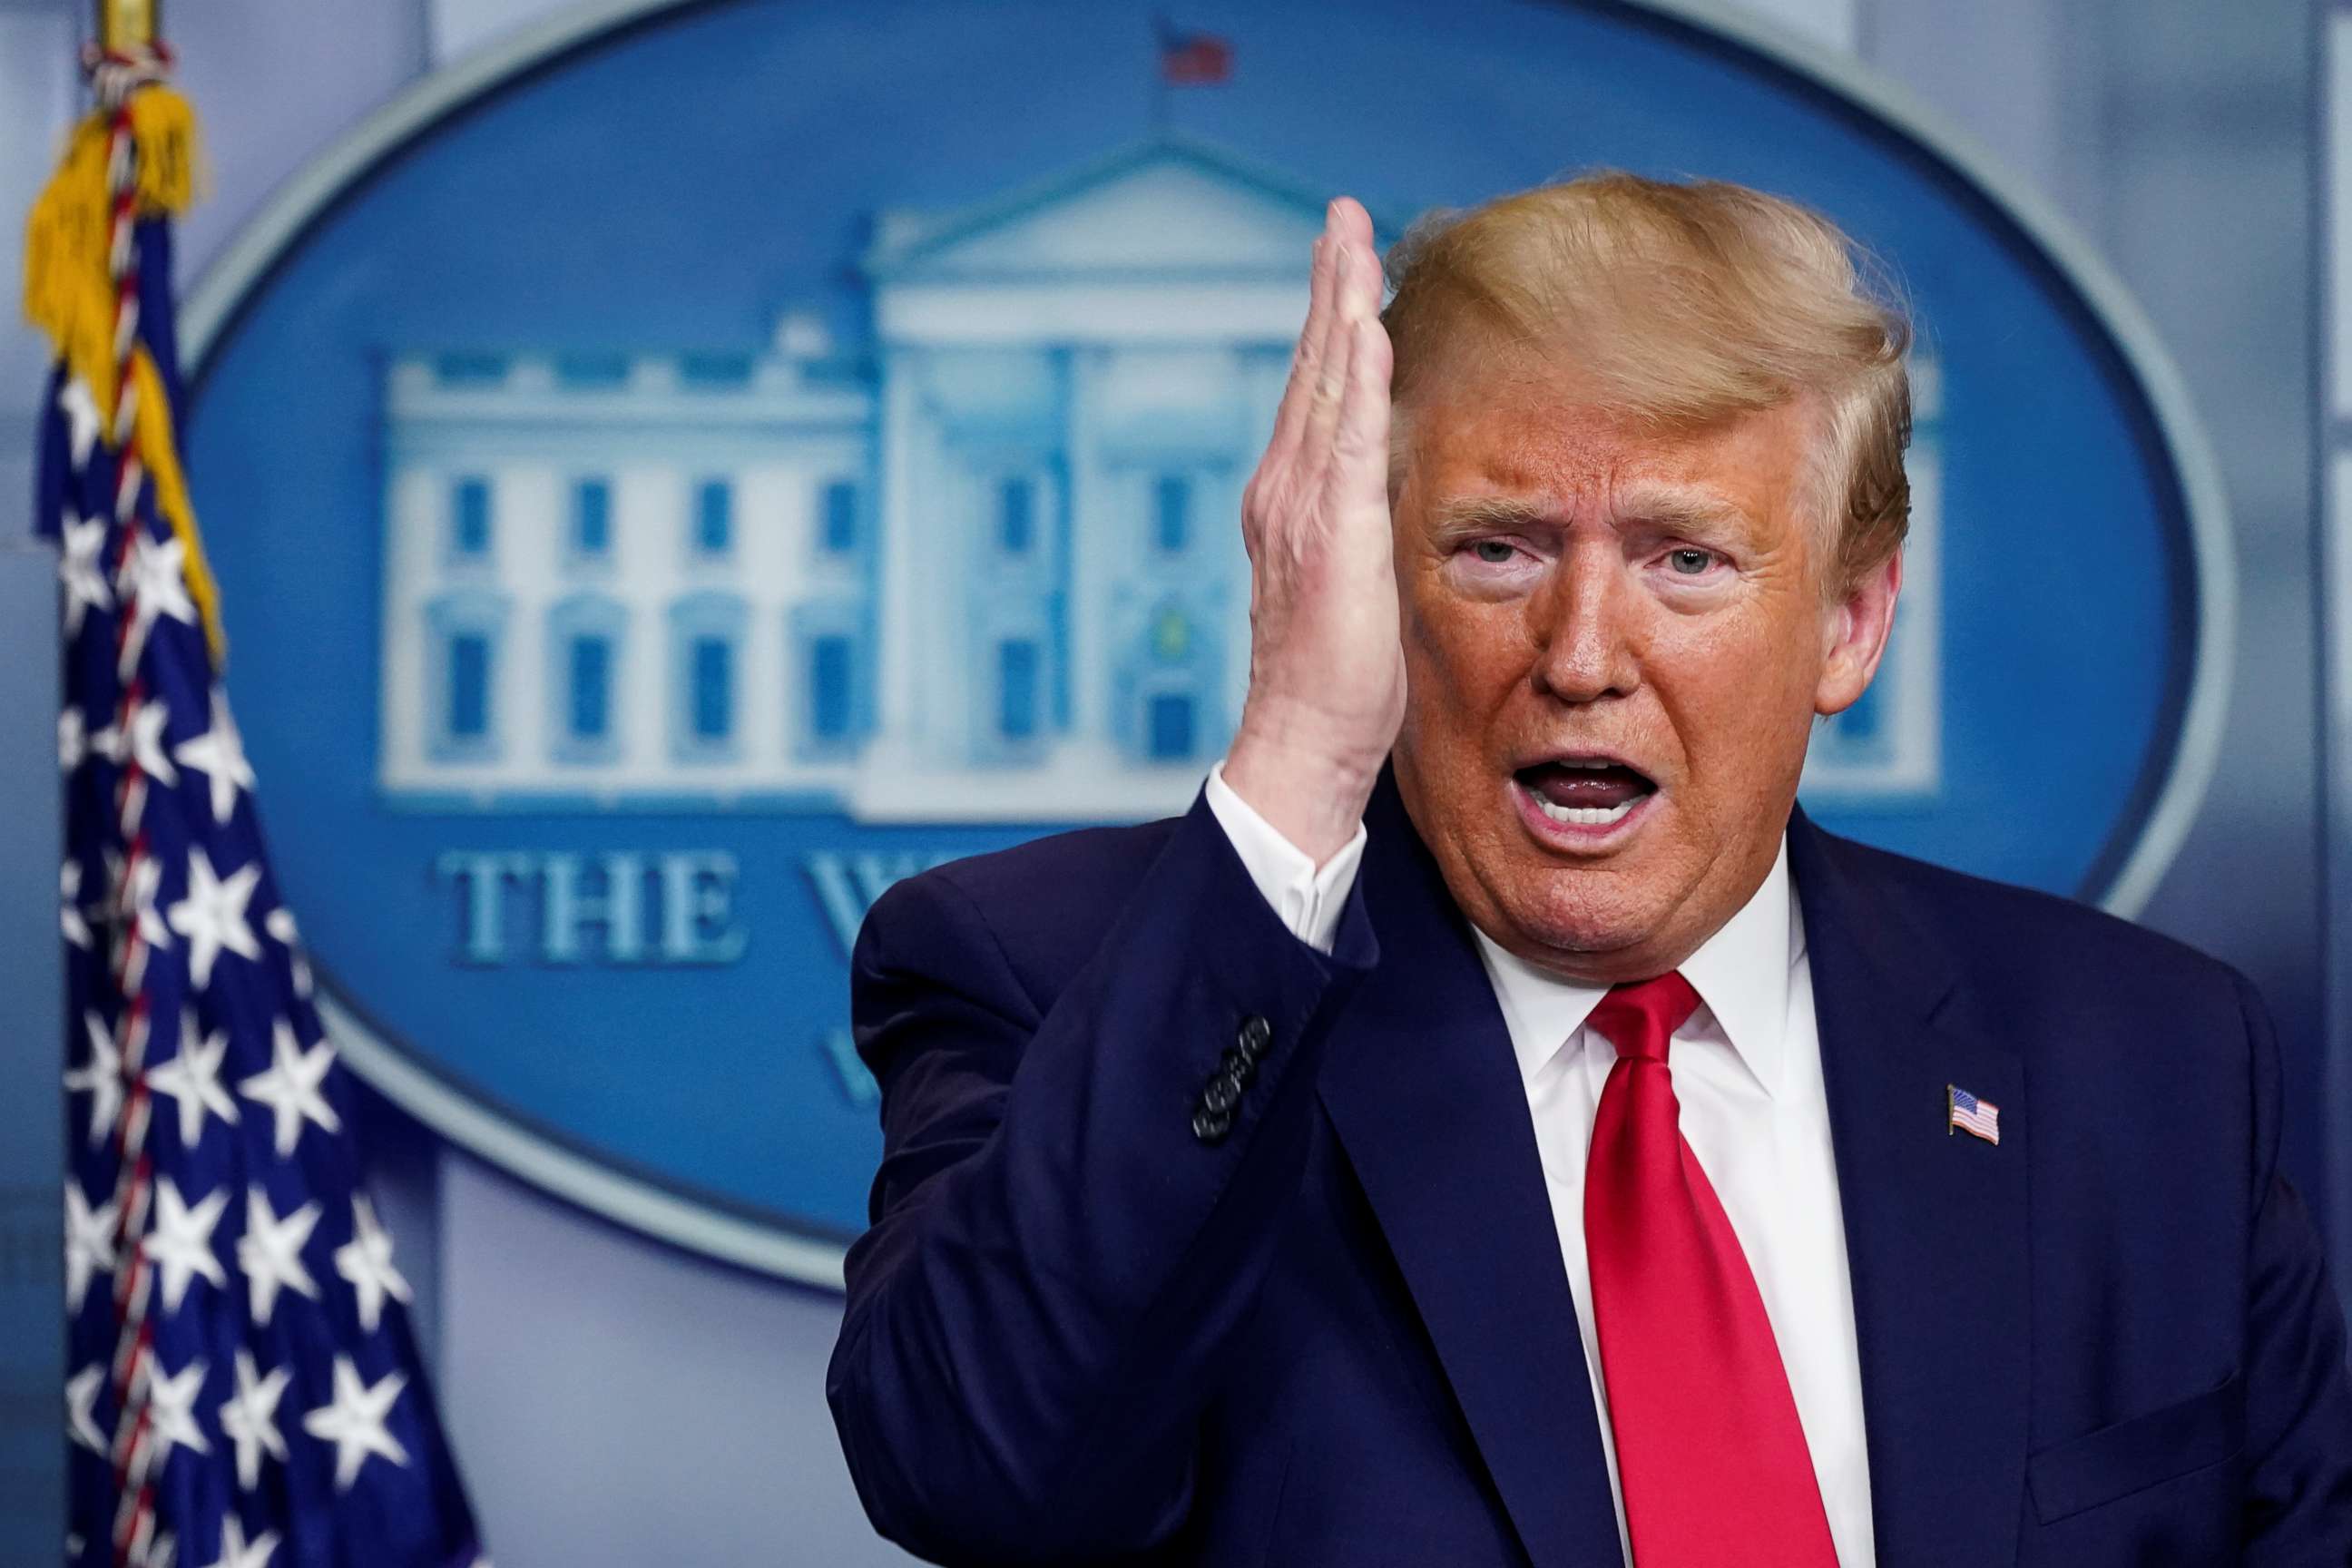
[(1306, 364), (1360, 470), (1351, 228), (1330, 381)]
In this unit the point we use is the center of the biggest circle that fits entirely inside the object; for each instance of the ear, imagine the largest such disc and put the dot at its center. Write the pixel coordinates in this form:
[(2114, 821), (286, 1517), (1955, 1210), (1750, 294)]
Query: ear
[(1854, 628)]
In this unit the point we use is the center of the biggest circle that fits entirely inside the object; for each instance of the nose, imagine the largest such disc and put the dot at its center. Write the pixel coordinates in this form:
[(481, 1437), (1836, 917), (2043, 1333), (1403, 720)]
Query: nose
[(1582, 625)]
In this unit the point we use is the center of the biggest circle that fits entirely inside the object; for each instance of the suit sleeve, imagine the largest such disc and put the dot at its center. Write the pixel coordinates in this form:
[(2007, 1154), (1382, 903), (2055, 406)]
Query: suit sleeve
[(2298, 1450), (1059, 1251)]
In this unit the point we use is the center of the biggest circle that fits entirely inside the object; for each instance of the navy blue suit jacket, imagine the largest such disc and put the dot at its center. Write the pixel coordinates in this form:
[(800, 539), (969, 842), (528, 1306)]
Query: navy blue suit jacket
[(1342, 1334)]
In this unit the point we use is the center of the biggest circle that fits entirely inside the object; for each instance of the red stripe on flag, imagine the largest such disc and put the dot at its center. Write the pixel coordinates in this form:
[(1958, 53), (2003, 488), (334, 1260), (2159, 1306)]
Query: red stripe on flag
[(1196, 60)]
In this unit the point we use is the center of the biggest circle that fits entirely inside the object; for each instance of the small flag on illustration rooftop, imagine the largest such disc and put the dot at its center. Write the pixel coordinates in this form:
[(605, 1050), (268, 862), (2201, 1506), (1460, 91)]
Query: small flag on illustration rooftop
[(242, 1387), (1191, 58)]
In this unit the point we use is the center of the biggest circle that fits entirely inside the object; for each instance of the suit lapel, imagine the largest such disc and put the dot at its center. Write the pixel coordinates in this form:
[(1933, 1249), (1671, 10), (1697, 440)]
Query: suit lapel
[(1936, 1224), (1425, 1096)]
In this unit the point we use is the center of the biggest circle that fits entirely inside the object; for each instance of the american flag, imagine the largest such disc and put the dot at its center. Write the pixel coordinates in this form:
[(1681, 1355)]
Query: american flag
[(1194, 60), (1969, 1114), (242, 1389)]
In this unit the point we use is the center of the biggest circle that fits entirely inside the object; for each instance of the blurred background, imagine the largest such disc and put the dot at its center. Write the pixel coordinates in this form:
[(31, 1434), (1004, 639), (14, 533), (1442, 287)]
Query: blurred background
[(674, 468)]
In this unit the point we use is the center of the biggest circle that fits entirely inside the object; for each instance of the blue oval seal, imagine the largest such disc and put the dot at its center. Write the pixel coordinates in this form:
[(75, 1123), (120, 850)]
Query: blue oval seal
[(680, 472)]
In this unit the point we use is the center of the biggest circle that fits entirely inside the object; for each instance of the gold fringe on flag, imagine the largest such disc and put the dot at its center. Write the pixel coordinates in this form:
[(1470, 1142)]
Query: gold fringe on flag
[(69, 292)]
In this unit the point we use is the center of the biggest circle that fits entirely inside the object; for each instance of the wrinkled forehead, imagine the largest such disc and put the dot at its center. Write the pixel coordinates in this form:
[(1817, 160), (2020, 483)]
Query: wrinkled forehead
[(1535, 443)]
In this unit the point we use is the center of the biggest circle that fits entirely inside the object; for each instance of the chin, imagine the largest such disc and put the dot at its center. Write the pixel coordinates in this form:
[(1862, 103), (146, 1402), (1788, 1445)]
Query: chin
[(1573, 910)]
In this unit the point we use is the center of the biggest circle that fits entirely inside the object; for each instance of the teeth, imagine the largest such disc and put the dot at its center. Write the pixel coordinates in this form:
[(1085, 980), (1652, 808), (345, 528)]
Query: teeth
[(1587, 816), (1595, 765)]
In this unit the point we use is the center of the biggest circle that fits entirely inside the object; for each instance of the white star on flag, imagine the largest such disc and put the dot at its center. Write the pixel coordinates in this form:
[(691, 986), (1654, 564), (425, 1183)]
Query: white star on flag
[(79, 570), (192, 1078), (89, 1243), (102, 1076), (279, 924), (146, 743), (270, 1252), (82, 423), (172, 1410), (249, 1420), (181, 1244), (70, 911), (212, 917), (354, 1423), (366, 1261), (236, 1552), (81, 1403), (219, 755), (290, 1086), (73, 739), (154, 584)]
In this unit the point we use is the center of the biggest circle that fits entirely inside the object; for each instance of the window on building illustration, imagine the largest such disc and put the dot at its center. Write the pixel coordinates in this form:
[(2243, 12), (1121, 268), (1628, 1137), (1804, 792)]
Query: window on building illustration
[(839, 525), (592, 517), (711, 688), (1171, 512), (1017, 689), (714, 517), (716, 373), (829, 691), (593, 369), (458, 370), (1016, 518), (591, 672), (1170, 727), (468, 709), (463, 638), (706, 672), (470, 507)]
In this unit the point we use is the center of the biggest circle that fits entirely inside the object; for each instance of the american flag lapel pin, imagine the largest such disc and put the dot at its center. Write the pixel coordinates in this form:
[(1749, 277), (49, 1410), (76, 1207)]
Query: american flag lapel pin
[(1964, 1112)]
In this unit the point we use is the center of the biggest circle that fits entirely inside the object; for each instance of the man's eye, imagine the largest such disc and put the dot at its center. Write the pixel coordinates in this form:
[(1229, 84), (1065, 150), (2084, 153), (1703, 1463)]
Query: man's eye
[(1495, 551), (1691, 562)]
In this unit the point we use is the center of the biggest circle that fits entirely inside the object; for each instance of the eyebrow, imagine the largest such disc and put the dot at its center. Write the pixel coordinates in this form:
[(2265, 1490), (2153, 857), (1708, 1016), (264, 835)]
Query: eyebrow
[(1685, 510), (1462, 516)]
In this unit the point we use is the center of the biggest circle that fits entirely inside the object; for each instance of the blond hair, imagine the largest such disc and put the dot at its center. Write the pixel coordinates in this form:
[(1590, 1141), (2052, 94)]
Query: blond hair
[(1685, 303)]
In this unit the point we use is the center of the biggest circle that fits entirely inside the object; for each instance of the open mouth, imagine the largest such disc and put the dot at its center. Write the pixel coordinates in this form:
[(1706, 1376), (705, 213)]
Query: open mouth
[(1580, 791)]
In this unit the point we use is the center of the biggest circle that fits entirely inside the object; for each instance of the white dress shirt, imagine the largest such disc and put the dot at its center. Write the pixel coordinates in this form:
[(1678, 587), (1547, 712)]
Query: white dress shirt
[(1747, 1071)]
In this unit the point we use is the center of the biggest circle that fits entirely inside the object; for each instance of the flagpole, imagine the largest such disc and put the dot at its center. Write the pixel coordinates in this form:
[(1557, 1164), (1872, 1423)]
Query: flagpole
[(126, 25), (1159, 33)]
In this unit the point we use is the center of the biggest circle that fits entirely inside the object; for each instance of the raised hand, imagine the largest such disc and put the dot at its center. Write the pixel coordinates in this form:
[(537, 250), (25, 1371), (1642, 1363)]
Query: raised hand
[(1327, 673)]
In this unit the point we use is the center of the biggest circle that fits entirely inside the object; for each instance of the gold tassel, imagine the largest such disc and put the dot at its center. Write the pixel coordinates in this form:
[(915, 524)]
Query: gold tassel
[(69, 297), (163, 127), (67, 294)]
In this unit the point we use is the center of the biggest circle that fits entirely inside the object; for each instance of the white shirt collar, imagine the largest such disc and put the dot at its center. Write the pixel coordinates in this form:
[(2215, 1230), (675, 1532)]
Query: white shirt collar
[(1741, 976)]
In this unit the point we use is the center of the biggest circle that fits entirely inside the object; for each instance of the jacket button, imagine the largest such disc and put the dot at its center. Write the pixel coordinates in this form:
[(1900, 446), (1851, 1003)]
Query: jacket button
[(1236, 1066), (1209, 1127), (1256, 1035), (1225, 1092)]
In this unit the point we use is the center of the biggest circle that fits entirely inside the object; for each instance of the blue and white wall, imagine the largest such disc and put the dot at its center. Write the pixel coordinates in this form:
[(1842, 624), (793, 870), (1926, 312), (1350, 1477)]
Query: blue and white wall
[(614, 1402)]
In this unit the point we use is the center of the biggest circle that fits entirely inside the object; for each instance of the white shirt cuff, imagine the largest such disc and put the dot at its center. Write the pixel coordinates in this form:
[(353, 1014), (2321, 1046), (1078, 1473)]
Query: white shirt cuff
[(1307, 899)]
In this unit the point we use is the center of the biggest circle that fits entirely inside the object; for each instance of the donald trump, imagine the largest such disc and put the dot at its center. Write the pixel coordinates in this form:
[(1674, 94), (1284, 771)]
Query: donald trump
[(1495, 1126)]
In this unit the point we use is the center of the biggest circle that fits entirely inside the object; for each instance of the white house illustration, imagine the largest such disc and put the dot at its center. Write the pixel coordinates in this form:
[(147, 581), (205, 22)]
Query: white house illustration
[(983, 565)]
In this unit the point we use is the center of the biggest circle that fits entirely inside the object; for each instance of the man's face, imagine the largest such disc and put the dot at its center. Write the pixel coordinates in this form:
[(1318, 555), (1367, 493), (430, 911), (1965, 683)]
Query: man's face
[(1616, 640)]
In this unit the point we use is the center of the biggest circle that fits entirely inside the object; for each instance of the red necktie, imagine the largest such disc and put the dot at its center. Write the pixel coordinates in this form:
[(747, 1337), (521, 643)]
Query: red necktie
[(1709, 1453)]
